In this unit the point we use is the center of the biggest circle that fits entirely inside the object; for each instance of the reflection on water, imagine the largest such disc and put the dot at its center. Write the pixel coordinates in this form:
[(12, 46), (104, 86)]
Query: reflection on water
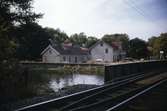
[(58, 82), (42, 83)]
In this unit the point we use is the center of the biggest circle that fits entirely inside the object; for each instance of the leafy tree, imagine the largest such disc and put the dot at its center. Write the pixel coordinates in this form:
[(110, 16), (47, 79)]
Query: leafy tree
[(154, 45), (158, 44), (12, 14), (32, 40), (79, 39), (17, 11), (123, 38), (138, 48), (56, 35), (91, 41), (163, 43)]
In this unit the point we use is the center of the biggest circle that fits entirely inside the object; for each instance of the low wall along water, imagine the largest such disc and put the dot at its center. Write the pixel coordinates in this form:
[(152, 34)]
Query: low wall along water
[(120, 70)]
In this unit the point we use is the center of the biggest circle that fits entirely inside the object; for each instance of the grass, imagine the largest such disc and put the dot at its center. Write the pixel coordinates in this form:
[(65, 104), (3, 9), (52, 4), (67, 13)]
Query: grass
[(67, 69)]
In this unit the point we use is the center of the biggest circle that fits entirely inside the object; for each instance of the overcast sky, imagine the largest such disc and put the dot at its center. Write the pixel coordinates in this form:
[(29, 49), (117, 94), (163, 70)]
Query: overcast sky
[(137, 18)]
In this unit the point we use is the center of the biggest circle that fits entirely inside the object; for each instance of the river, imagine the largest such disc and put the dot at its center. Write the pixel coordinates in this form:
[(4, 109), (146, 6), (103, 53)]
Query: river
[(44, 83), (57, 82)]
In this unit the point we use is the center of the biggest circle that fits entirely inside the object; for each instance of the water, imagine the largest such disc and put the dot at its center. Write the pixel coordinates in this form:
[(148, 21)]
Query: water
[(58, 82), (42, 83)]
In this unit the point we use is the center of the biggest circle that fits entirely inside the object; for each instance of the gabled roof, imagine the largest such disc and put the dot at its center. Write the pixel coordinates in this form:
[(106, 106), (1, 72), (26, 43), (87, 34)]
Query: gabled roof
[(114, 46), (68, 50), (46, 49)]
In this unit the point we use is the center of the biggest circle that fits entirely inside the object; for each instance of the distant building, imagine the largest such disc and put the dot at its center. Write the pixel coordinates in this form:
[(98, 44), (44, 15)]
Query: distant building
[(107, 53), (65, 53), (69, 53)]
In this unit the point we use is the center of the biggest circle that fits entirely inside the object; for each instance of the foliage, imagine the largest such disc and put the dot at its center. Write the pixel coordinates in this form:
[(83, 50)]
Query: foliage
[(12, 14), (17, 11), (78, 39), (158, 44), (32, 40), (123, 38), (163, 43), (83, 40), (90, 41), (56, 35), (138, 48)]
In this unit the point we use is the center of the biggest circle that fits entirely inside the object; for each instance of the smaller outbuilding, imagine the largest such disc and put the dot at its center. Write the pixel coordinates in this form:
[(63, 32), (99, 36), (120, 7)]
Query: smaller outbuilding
[(69, 53), (65, 53)]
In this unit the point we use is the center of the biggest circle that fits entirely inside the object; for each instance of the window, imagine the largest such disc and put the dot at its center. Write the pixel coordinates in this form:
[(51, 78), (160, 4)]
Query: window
[(69, 59), (76, 59), (64, 58), (50, 51), (106, 50)]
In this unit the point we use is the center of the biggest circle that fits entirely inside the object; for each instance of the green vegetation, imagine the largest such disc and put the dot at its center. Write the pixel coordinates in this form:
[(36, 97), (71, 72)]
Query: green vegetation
[(158, 44), (67, 69), (138, 48), (122, 38), (12, 77), (22, 38)]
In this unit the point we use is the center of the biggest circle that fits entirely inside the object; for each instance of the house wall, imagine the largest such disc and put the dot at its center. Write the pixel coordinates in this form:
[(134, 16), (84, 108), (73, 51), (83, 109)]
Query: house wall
[(119, 55), (99, 52), (74, 58), (51, 56)]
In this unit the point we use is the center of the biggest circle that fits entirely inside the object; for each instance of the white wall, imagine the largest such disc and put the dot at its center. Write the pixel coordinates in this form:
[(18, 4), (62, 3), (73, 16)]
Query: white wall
[(51, 56), (80, 58), (98, 52)]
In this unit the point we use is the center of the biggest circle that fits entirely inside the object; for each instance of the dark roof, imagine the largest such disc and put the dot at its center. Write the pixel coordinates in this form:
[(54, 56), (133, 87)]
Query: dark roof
[(70, 50), (113, 45)]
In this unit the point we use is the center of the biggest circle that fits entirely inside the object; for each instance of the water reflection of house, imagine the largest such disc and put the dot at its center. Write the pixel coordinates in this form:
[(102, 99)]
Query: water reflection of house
[(65, 53), (69, 53)]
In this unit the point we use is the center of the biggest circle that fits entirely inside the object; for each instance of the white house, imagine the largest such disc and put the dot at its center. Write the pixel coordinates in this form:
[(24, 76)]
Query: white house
[(105, 52), (69, 53), (65, 53)]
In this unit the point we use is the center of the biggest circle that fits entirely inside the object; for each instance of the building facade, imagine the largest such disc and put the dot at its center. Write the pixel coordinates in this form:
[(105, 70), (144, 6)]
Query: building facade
[(105, 52), (69, 53), (65, 54)]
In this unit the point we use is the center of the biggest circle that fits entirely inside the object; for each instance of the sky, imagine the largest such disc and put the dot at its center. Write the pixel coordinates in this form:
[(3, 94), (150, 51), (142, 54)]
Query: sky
[(137, 18)]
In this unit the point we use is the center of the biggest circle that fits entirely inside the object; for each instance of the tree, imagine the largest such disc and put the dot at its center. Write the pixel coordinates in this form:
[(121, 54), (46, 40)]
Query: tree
[(17, 11), (90, 41), (56, 35), (79, 39), (12, 14), (154, 44), (138, 48), (158, 44), (163, 44), (32, 39), (123, 38)]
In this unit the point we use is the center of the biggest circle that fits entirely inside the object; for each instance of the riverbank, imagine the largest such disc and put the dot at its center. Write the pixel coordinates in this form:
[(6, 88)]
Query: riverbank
[(68, 69), (62, 92)]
